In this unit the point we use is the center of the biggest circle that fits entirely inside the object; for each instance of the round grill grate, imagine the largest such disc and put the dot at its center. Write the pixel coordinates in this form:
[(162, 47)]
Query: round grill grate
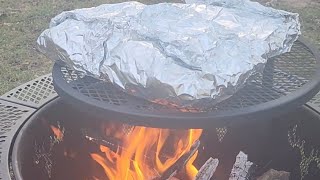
[(288, 81)]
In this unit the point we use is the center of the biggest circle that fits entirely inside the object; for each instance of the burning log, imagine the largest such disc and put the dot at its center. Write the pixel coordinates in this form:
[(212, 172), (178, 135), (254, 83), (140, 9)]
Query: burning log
[(180, 163), (58, 132), (144, 160), (207, 170), (112, 143), (241, 168)]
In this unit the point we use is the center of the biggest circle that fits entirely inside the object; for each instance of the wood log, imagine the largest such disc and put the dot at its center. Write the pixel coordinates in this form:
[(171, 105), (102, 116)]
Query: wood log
[(273, 174), (180, 163), (207, 170), (240, 169), (112, 143)]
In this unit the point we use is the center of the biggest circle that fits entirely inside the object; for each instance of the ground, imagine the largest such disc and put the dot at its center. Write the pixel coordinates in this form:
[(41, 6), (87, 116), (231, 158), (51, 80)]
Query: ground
[(21, 22)]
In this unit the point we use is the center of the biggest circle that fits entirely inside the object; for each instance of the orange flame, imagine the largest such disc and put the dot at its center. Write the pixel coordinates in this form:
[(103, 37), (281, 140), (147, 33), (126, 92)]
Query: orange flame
[(145, 153), (57, 132)]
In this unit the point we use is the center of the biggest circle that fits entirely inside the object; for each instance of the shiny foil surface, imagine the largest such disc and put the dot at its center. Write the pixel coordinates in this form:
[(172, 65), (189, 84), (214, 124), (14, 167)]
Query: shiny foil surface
[(202, 49)]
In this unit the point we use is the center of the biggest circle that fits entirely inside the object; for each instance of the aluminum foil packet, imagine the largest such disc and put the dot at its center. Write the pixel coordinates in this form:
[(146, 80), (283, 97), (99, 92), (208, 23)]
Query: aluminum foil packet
[(205, 49)]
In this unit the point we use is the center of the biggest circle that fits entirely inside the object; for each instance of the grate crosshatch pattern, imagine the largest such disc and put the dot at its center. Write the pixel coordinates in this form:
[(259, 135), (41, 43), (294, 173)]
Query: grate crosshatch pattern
[(34, 93), (283, 75), (315, 102), (15, 106), (12, 117), (9, 115)]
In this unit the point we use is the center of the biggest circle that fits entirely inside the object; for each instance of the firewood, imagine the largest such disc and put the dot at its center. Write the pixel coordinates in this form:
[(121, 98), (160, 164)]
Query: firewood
[(112, 143), (180, 163), (273, 174), (207, 170), (173, 178), (240, 169)]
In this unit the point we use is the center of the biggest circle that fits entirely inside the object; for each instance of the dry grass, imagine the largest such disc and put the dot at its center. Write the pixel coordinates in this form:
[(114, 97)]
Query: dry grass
[(21, 22)]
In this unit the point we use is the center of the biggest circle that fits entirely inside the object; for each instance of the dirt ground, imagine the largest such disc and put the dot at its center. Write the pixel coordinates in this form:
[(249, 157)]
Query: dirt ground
[(21, 22)]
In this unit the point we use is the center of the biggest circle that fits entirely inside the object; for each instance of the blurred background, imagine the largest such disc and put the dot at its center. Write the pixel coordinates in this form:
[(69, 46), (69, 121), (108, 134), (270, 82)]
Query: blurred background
[(21, 22)]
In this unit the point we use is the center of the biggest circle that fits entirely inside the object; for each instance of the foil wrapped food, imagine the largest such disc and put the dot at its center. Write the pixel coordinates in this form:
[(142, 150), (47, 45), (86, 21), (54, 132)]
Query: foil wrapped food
[(202, 49)]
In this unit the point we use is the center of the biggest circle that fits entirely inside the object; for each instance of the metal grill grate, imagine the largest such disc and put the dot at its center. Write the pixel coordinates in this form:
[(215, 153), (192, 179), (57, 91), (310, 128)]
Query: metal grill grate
[(315, 102), (15, 108), (12, 117), (9, 115), (105, 91), (282, 76), (34, 93), (288, 73)]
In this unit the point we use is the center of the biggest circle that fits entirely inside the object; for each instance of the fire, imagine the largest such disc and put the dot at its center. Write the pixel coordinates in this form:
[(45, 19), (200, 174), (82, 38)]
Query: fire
[(57, 132), (145, 153)]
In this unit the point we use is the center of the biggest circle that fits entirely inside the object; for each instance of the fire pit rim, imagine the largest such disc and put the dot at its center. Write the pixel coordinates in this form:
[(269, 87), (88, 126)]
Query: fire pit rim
[(19, 136)]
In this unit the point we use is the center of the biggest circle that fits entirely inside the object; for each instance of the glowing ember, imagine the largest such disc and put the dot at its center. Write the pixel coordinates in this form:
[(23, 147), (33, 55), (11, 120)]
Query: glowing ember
[(173, 105), (145, 153), (57, 133)]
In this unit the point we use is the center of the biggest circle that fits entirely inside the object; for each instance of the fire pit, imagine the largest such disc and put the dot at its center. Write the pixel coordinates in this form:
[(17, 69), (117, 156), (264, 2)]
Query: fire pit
[(38, 151), (44, 136)]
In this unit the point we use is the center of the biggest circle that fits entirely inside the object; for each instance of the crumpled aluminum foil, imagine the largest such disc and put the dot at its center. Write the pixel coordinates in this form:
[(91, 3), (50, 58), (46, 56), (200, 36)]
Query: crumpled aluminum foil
[(187, 51)]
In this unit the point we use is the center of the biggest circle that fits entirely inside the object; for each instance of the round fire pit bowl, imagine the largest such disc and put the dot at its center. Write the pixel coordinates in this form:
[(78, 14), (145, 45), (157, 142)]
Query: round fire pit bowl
[(288, 81), (290, 144)]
